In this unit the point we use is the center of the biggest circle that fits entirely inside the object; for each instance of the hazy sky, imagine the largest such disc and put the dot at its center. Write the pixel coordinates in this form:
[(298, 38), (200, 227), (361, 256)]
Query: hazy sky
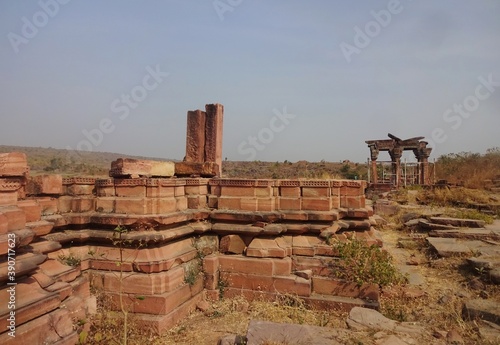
[(299, 80)]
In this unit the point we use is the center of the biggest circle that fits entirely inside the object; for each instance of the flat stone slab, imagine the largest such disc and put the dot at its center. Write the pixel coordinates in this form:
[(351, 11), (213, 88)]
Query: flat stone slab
[(459, 222), (264, 332), (423, 224), (361, 319), (447, 247), (484, 309), (467, 233), (138, 167)]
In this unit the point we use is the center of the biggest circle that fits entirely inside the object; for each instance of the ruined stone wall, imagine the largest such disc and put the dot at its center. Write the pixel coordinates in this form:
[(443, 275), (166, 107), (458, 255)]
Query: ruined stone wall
[(187, 239)]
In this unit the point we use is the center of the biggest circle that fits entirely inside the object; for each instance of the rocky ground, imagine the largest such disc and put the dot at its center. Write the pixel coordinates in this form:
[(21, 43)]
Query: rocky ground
[(452, 295)]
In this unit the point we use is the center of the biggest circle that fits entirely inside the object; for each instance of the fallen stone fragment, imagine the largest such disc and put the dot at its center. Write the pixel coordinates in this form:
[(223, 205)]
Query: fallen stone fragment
[(361, 319), (459, 222), (423, 224), (484, 309)]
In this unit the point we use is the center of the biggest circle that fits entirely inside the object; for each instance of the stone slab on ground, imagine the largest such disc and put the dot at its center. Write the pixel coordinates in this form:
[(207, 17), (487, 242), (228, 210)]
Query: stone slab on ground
[(364, 319), (484, 309), (262, 332), (447, 247), (459, 222), (466, 233)]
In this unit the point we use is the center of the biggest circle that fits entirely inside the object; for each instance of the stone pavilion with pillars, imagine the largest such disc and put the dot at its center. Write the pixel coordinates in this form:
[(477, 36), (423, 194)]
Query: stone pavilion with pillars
[(395, 146)]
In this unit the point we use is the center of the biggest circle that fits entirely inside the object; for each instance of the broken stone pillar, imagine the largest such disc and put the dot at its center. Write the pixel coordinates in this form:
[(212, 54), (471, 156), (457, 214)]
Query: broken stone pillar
[(213, 134), (203, 143), (195, 137)]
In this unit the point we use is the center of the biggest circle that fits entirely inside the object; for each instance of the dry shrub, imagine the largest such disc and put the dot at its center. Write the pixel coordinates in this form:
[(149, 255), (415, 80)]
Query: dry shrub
[(453, 196)]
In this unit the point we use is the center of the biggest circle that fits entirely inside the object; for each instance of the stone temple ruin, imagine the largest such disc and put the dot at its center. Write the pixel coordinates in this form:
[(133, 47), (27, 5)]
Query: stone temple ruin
[(191, 235), (399, 177)]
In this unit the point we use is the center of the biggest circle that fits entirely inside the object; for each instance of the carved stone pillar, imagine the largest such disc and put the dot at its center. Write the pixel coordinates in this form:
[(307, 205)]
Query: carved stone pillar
[(396, 153), (374, 156)]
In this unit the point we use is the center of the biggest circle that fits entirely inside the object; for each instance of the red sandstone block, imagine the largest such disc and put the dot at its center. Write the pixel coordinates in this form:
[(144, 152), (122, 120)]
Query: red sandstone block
[(262, 266), (130, 191), (64, 204), (80, 189), (31, 208), (59, 271), (316, 204), (289, 192), (289, 203), (213, 201), (13, 164), (182, 203), (162, 323), (266, 204), (45, 184), (196, 190), (8, 198), (83, 204), (275, 284), (158, 191), (196, 202), (215, 189), (319, 266), (230, 203), (40, 228), (355, 202), (105, 204), (145, 284), (211, 281), (31, 302), (249, 204), (179, 191), (316, 192), (211, 264), (166, 205), (159, 304), (335, 202), (336, 287), (55, 327), (232, 244), (135, 168), (358, 213), (48, 205), (212, 295), (4, 224), (16, 219), (105, 187), (265, 248), (133, 205)]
